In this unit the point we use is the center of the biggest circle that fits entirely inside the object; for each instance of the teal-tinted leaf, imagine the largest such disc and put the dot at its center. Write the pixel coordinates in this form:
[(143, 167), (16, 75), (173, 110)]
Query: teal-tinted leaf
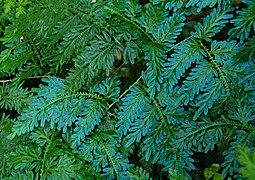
[(212, 24), (244, 22), (133, 107)]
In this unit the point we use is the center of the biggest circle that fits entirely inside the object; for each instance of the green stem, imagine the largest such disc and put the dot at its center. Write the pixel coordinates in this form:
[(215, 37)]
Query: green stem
[(133, 23), (236, 125), (45, 155), (161, 113), (111, 160), (218, 68), (34, 48)]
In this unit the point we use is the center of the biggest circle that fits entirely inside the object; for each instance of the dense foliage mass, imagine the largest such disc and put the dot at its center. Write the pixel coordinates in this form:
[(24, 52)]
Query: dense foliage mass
[(127, 89)]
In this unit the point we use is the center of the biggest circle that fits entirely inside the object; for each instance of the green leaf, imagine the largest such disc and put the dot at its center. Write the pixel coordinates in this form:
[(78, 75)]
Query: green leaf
[(62, 167), (133, 107), (14, 97), (244, 22), (213, 23), (247, 160), (211, 172), (180, 61), (137, 173)]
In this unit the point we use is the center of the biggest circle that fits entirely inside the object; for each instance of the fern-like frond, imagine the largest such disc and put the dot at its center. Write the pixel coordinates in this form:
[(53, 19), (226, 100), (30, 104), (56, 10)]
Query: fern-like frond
[(244, 23), (198, 79), (131, 8), (101, 149), (109, 88), (165, 35), (72, 44), (48, 157), (175, 175), (202, 4), (21, 175), (248, 161), (188, 87), (26, 157), (153, 18), (213, 23), (13, 97), (180, 62), (170, 29), (91, 114), (16, 54), (133, 106), (185, 162), (242, 109), (96, 58), (137, 173), (204, 134), (157, 141), (247, 52), (57, 106), (7, 146), (174, 4), (142, 125), (154, 75), (242, 138), (214, 91), (64, 167), (224, 51)]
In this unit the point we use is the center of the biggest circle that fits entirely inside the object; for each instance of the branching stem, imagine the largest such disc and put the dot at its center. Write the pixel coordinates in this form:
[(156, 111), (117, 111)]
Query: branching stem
[(111, 160), (198, 16), (218, 68), (140, 77), (34, 48), (133, 23), (33, 77), (161, 113), (45, 155)]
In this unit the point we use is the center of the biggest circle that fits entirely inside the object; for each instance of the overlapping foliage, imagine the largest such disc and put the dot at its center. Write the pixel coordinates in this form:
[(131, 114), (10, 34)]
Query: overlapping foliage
[(130, 89)]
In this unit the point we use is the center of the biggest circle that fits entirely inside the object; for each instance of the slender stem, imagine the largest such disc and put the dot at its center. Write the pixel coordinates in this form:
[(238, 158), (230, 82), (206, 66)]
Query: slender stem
[(161, 113), (35, 49), (198, 16), (140, 77), (133, 23), (126, 91), (118, 68), (33, 77), (218, 68), (111, 160), (45, 155)]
